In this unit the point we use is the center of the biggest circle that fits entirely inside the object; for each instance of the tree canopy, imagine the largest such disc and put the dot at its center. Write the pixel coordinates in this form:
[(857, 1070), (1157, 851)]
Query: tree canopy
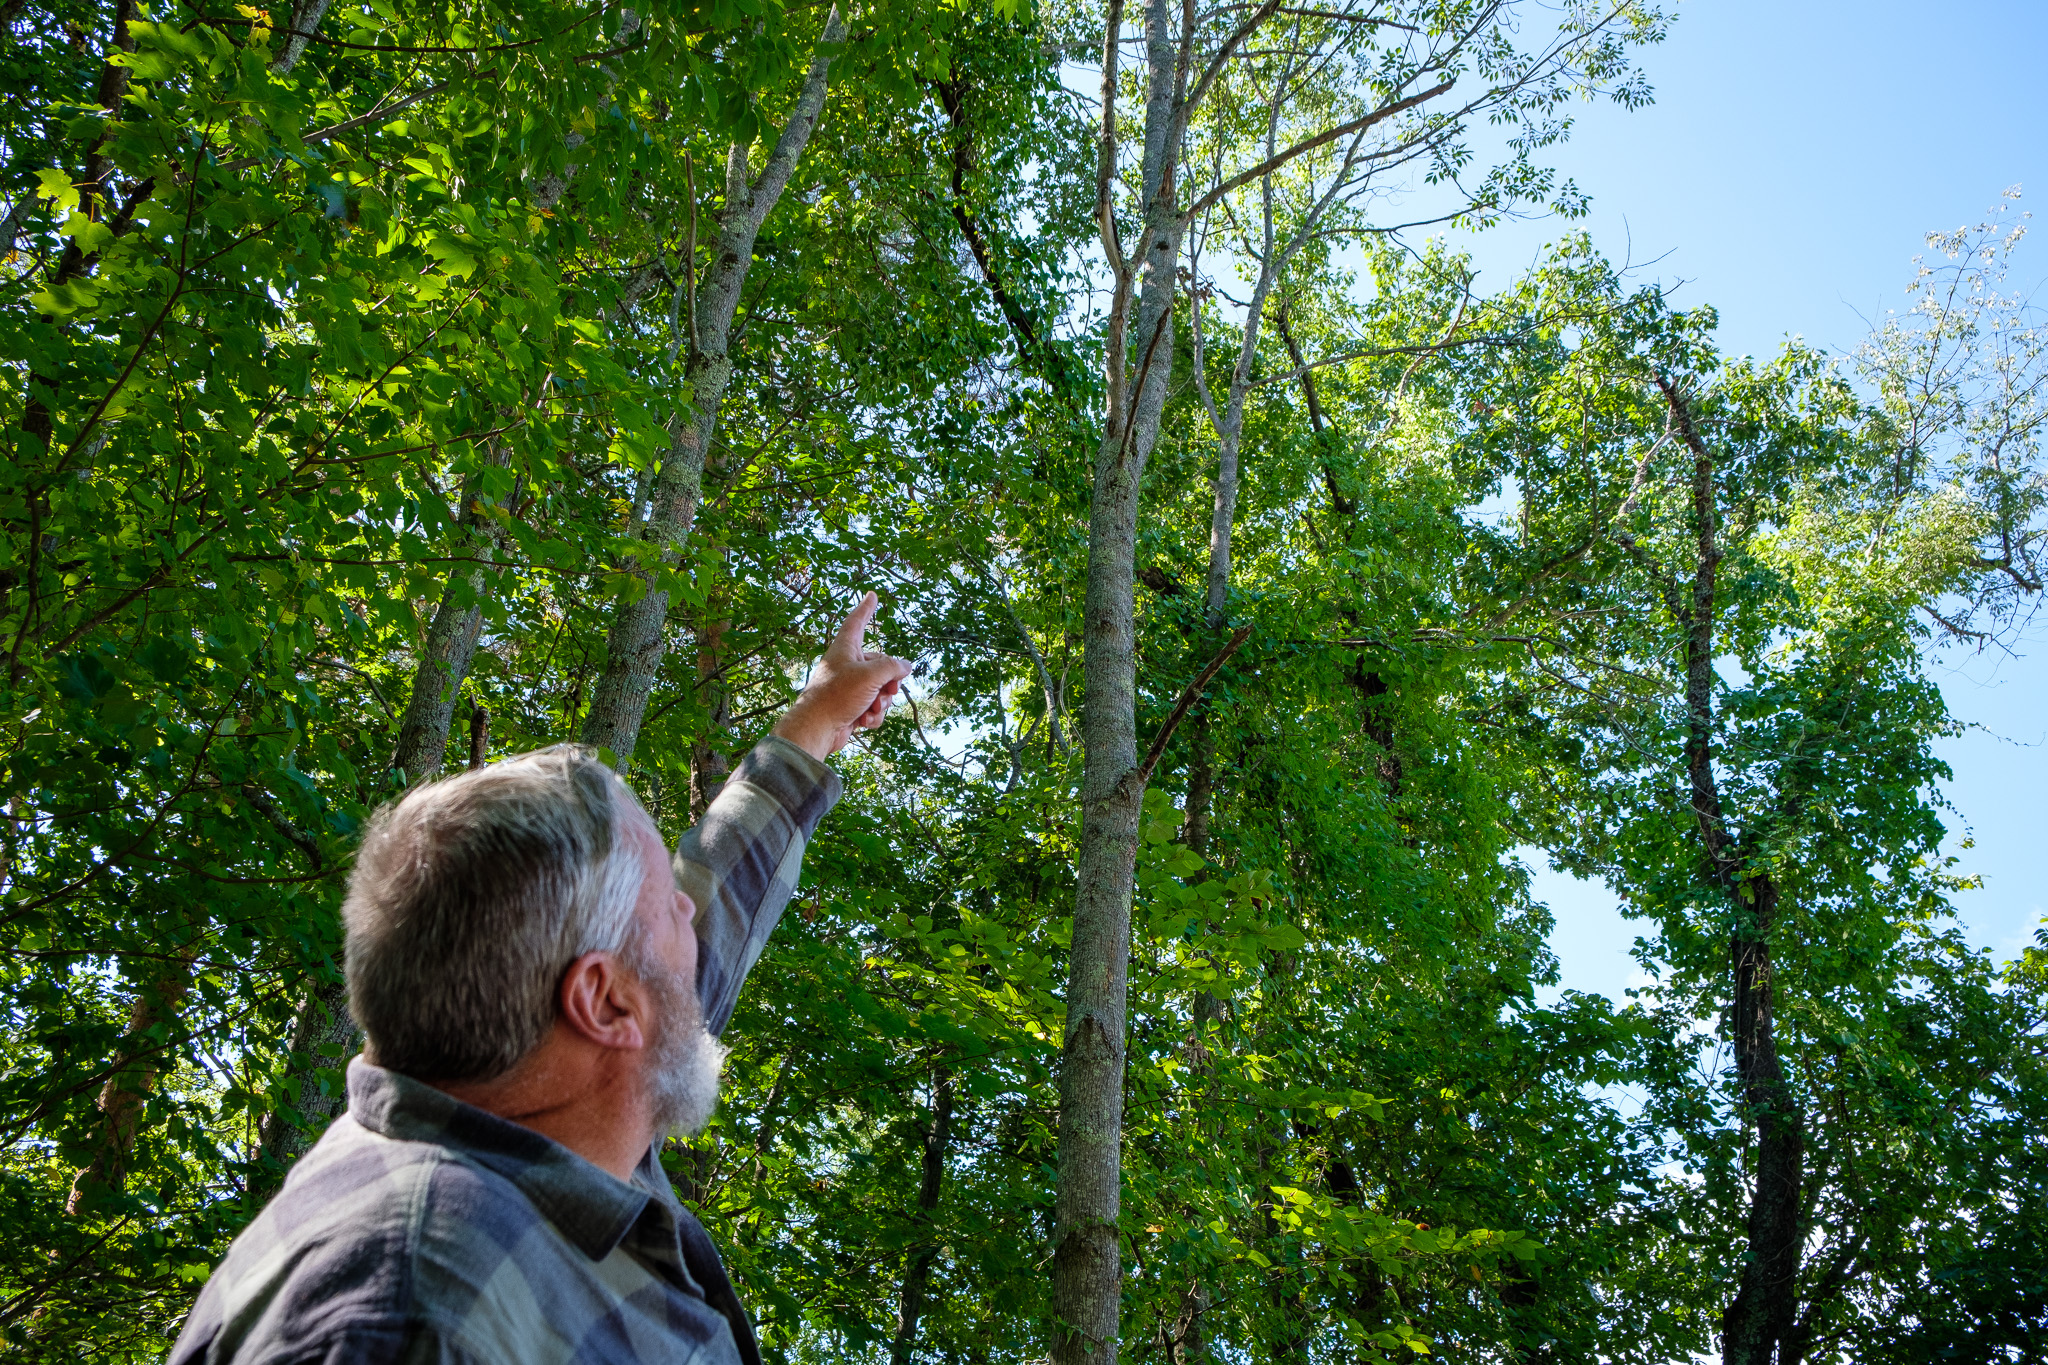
[(391, 387)]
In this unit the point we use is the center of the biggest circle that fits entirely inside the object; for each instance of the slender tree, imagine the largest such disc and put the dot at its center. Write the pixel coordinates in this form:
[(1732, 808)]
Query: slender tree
[(1411, 109), (637, 638)]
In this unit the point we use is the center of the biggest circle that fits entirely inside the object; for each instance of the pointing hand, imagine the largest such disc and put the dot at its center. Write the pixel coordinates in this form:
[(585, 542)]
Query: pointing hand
[(851, 689)]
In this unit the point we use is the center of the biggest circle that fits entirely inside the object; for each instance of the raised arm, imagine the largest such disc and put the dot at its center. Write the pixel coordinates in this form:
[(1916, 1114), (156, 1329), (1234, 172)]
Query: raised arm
[(740, 863)]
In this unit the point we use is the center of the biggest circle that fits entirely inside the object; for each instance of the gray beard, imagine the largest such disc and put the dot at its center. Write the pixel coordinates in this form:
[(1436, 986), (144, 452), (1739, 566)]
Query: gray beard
[(683, 1078)]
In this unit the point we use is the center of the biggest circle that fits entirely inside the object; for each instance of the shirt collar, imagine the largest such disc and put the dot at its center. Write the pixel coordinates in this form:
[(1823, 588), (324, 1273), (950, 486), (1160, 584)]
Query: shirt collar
[(593, 1208)]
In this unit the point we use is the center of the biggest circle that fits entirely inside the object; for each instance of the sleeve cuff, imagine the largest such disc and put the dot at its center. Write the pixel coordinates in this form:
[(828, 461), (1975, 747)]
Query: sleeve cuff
[(800, 784)]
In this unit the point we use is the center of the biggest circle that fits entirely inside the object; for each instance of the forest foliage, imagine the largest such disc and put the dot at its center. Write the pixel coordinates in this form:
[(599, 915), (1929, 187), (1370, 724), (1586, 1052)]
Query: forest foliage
[(390, 385)]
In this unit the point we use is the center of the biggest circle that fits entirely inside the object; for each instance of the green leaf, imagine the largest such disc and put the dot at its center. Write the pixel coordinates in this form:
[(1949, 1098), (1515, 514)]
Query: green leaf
[(83, 677), (56, 186), (73, 296), (457, 260)]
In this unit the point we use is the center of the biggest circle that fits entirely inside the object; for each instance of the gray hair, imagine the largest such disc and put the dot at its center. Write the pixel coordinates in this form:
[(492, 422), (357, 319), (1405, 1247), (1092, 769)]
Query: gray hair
[(470, 898)]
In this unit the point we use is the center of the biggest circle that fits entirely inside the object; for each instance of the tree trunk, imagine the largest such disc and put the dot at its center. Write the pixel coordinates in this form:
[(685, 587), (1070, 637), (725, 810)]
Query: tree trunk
[(126, 1092), (1087, 1274), (1228, 422), (1223, 517), (635, 643), (1187, 1339), (450, 643), (938, 1136), (1087, 1278), (1758, 1327), (1764, 1312), (304, 23), (322, 1039), (710, 761)]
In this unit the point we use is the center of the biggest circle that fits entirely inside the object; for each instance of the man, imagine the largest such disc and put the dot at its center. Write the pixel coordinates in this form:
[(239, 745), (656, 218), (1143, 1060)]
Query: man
[(540, 997)]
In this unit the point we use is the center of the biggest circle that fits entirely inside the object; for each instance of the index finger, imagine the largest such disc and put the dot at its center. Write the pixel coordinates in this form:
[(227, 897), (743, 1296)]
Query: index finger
[(851, 630)]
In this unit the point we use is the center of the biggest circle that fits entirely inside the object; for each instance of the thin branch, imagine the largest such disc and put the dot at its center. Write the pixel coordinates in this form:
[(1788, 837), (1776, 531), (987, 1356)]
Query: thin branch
[(1222, 57), (1105, 158), (1275, 162), (335, 130), (1142, 774), (1419, 349), (1052, 696)]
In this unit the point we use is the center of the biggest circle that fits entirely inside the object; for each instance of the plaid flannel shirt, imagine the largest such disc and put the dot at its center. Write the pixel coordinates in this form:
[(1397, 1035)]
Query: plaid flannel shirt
[(421, 1229)]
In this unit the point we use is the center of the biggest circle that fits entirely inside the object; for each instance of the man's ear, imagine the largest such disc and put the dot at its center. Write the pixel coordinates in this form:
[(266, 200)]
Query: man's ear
[(601, 1001)]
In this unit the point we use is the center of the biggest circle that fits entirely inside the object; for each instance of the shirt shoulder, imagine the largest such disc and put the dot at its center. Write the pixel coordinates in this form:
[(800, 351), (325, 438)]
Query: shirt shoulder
[(388, 1249), (380, 1344), (331, 1256), (503, 1284)]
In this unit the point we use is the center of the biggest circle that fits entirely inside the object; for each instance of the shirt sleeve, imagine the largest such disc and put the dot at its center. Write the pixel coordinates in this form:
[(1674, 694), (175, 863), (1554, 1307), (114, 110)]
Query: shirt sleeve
[(740, 863)]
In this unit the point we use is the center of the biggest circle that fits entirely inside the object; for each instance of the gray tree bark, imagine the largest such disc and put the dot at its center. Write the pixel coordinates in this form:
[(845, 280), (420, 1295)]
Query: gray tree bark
[(450, 643), (1087, 1270), (637, 639), (322, 1038), (304, 24), (1228, 420)]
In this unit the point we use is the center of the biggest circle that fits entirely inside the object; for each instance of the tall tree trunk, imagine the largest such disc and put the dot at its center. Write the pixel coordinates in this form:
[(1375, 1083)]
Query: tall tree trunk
[(938, 1137), (322, 1039), (450, 643), (126, 1092), (710, 761), (635, 643), (1758, 1326), (1763, 1314), (1087, 1271)]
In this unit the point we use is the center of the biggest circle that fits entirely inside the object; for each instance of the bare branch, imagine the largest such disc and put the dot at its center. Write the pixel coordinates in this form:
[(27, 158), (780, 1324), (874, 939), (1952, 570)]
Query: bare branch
[(1324, 138), (1222, 58), (1105, 163), (1189, 695), (1419, 349)]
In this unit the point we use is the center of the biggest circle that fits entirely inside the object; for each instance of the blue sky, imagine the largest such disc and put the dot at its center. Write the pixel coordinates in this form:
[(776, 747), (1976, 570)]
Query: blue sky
[(1796, 155)]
